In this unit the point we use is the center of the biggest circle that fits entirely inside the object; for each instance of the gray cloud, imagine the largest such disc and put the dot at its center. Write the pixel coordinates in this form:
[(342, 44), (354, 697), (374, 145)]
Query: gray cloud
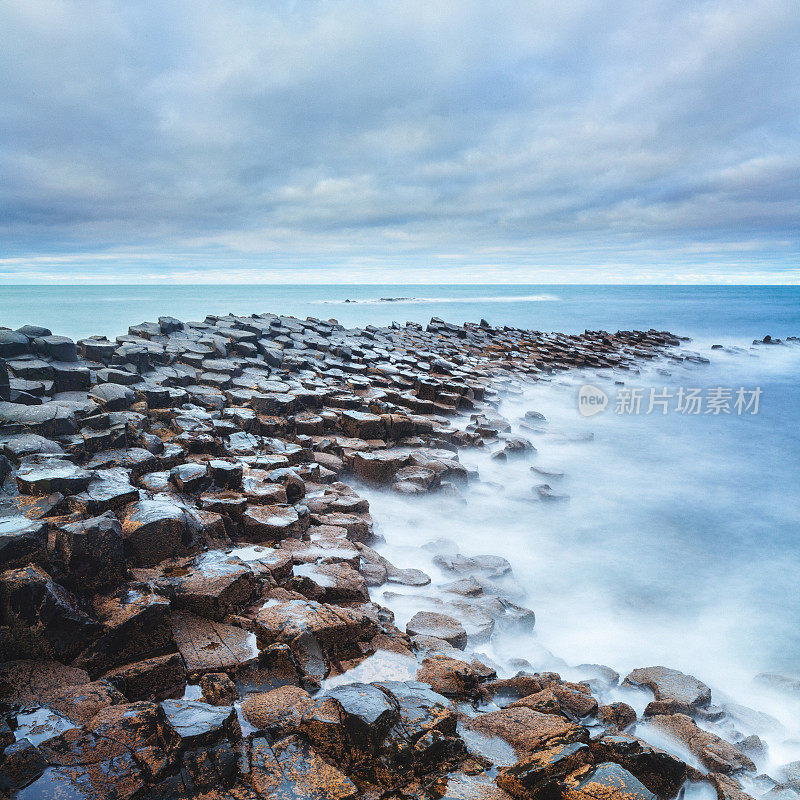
[(508, 135)]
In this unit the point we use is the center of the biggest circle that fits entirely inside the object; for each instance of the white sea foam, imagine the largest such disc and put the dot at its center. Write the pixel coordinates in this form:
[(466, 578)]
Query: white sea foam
[(530, 298)]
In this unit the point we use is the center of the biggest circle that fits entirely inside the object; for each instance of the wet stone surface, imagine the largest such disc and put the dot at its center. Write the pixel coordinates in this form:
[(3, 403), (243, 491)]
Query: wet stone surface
[(186, 564)]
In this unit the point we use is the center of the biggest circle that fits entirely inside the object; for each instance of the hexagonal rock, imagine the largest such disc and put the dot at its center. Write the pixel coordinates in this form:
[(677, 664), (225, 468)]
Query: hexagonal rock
[(279, 708), (379, 467), (528, 731), (91, 553), (32, 683), (617, 716), (109, 490), (44, 619), (271, 523), (113, 396), (218, 689), (135, 626), (316, 633), (359, 528), (539, 775), (330, 583), (291, 769), (150, 678), (661, 772), (22, 765), (361, 425), (80, 703), (21, 540), (190, 723), (208, 646), (713, 752), (212, 584), (668, 685), (47, 419), (429, 623), (42, 475), (451, 677), (604, 780), (190, 477), (29, 444), (155, 530)]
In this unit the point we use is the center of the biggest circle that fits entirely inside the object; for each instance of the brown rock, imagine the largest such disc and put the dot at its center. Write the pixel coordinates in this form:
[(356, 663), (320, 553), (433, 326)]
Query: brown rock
[(526, 730), (152, 678), (218, 689), (429, 623), (714, 753), (281, 708)]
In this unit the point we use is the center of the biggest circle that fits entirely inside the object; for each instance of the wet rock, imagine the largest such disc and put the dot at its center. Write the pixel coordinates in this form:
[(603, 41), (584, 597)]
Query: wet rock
[(43, 476), (659, 771), (539, 776), (155, 530), (190, 477), (22, 540), (685, 691), (604, 780), (360, 425), (109, 490), (135, 625), (291, 769), (227, 474), (44, 620), (150, 678), (451, 677), (113, 396), (619, 715), (429, 623), (713, 752), (218, 689), (331, 583), (379, 467), (190, 723), (22, 764), (91, 553), (213, 584), (22, 445), (271, 523), (80, 703), (281, 708), (528, 731), (208, 646), (315, 632)]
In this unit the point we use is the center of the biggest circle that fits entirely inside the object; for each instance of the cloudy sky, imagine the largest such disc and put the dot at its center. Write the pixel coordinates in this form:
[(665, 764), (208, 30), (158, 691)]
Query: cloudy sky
[(548, 140)]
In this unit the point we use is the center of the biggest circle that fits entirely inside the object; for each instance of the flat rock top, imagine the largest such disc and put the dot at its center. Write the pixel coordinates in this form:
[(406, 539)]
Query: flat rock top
[(669, 684)]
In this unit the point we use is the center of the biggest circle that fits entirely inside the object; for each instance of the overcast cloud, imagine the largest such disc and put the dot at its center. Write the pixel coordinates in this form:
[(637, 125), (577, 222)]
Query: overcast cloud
[(542, 140)]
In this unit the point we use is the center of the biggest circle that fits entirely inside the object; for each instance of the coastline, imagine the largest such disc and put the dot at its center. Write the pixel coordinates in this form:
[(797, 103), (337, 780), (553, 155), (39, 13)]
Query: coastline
[(240, 537)]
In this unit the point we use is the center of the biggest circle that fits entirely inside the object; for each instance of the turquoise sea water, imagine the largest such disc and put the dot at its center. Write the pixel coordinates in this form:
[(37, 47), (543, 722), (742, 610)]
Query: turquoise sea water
[(699, 311)]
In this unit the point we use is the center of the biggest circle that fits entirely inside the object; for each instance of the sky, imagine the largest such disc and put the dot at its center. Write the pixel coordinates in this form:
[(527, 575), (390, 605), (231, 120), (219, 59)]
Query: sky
[(547, 141)]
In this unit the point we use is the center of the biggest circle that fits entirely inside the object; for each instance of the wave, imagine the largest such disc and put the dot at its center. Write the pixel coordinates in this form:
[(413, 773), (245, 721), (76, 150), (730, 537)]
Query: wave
[(529, 298)]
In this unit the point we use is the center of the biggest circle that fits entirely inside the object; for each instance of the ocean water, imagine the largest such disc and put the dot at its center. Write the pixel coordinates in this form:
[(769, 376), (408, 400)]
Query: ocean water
[(680, 541), (698, 311)]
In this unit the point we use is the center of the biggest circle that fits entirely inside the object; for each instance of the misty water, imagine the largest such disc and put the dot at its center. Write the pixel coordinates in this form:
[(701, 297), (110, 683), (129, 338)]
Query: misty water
[(680, 542)]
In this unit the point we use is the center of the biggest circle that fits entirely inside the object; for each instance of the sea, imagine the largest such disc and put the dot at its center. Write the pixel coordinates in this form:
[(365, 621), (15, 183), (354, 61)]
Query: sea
[(674, 538)]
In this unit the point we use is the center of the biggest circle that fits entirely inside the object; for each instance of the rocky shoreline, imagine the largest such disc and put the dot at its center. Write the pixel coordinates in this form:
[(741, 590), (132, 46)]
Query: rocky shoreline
[(185, 574)]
